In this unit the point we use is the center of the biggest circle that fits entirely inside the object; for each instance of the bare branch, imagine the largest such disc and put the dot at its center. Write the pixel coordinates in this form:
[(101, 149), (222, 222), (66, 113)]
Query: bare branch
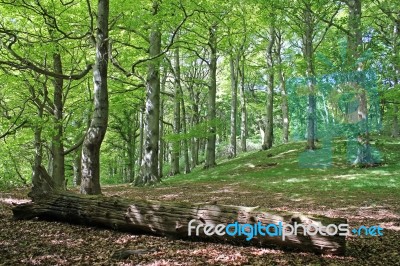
[(76, 145), (171, 42), (26, 64)]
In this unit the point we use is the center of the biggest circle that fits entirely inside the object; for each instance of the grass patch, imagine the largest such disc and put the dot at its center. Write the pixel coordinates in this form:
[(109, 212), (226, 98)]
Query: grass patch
[(278, 172)]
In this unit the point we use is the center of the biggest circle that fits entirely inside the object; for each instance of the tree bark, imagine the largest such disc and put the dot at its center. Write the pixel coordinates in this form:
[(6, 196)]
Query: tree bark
[(172, 219), (57, 146), (354, 42), (269, 123), (161, 125), (184, 129), (395, 122), (141, 136), (308, 54), (232, 147), (77, 167), (195, 141), (176, 145), (355, 37), (185, 140), (56, 163), (396, 68), (243, 108), (98, 124), (149, 167), (212, 94), (40, 185), (131, 150), (282, 86)]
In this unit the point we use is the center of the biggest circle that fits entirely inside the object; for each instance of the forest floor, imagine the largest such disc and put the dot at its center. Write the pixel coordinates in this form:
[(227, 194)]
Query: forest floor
[(269, 179)]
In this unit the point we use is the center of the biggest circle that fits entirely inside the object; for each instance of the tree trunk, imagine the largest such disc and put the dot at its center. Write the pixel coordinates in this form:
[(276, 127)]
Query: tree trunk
[(98, 124), (194, 151), (77, 167), (39, 183), (161, 125), (57, 147), (133, 175), (176, 144), (282, 86), (131, 150), (285, 109), (149, 167), (172, 219), (212, 94), (141, 136), (395, 123), (182, 119), (56, 162), (185, 140), (354, 40), (195, 142), (243, 108), (203, 146), (269, 123), (354, 46), (195, 147), (396, 66), (126, 128), (308, 53), (232, 147)]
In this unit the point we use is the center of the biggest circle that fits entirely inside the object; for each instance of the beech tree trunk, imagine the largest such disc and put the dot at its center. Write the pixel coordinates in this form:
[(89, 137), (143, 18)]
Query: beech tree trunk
[(141, 136), (185, 141), (195, 141), (57, 146), (269, 123), (308, 54), (243, 108), (395, 123), (354, 47), (77, 167), (161, 125), (131, 151), (39, 184), (282, 86), (355, 37), (98, 125), (56, 163), (212, 94), (171, 219), (176, 145), (285, 112), (396, 68), (232, 147), (149, 167)]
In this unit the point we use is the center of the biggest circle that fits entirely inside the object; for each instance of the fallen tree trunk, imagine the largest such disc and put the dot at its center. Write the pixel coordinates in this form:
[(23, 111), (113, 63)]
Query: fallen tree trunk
[(173, 219)]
